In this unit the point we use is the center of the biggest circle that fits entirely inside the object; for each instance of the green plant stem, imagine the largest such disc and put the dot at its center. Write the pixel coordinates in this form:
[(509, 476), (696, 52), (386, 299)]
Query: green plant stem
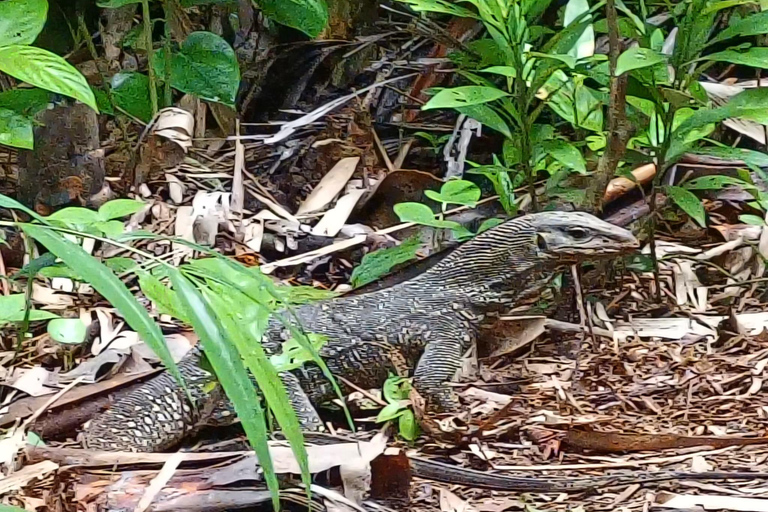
[(168, 13), (24, 327), (150, 55)]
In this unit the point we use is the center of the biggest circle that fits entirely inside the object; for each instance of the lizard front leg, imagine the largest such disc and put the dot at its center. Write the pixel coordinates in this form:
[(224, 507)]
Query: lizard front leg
[(438, 366)]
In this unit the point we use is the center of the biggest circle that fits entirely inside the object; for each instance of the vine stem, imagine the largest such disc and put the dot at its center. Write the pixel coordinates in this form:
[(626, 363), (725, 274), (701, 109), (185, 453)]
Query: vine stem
[(150, 55)]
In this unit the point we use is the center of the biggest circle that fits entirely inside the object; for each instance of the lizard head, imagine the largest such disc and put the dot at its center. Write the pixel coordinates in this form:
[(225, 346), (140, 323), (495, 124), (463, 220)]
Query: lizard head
[(572, 236)]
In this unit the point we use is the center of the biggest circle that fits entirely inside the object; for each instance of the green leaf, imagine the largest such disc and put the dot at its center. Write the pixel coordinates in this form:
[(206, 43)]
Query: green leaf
[(487, 116), (111, 229), (164, 299), (407, 425), (46, 70), (21, 21), (27, 102), (754, 57), (750, 104), (118, 208), (461, 192), (390, 412), (565, 153), (309, 16), (120, 265), (421, 214), (12, 309), (304, 294), (75, 216), (716, 182), (107, 284), (114, 4), (16, 130), (753, 220), (464, 96), (293, 355), (748, 156), (226, 361), (8, 508), (205, 66), (688, 202), (266, 376), (439, 6), (568, 60), (585, 45), (130, 91), (750, 26), (488, 224), (637, 58), (193, 3), (507, 71), (12, 204), (377, 263), (70, 331)]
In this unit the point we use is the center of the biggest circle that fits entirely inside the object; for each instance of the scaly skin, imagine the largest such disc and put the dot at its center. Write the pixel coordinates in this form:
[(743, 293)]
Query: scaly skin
[(423, 325)]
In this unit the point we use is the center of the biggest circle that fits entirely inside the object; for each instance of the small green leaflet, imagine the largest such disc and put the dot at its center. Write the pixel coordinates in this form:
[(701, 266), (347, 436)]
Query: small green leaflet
[(688, 202), (637, 58), (464, 96)]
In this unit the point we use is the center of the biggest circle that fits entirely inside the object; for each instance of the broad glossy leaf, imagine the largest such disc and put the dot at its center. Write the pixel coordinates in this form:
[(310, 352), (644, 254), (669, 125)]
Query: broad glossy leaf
[(439, 6), (637, 58), (298, 294), (192, 3), (748, 156), (70, 331), (585, 45), (754, 57), (566, 154), (488, 224), (390, 412), (752, 25), (107, 284), (21, 21), (226, 361), (118, 208), (12, 309), (487, 116), (750, 104), (456, 192), (46, 70), (131, 93), (568, 60), (421, 214), (309, 16), (114, 4), (408, 427), (464, 96), (16, 130), (753, 220), (688, 202), (716, 183), (205, 66), (377, 263), (508, 71), (9, 508), (25, 101), (75, 216)]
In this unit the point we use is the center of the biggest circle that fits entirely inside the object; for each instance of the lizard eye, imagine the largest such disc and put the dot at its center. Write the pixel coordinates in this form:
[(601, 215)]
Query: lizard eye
[(578, 233)]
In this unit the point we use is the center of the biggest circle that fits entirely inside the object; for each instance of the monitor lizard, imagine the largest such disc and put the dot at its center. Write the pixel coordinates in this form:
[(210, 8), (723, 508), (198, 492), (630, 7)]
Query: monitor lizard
[(420, 327)]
